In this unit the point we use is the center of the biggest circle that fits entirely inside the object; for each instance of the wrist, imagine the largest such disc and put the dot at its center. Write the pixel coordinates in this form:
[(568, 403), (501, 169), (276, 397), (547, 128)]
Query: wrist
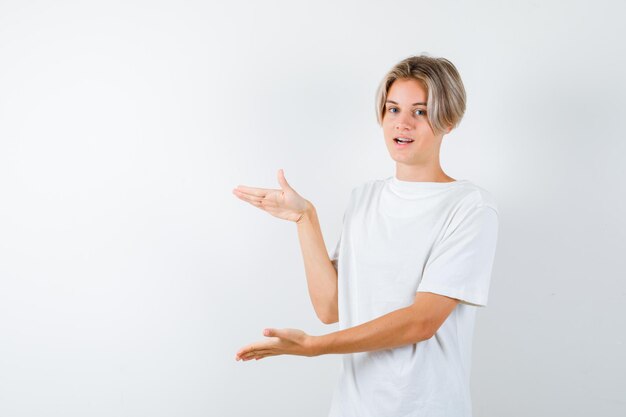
[(307, 213), (315, 345)]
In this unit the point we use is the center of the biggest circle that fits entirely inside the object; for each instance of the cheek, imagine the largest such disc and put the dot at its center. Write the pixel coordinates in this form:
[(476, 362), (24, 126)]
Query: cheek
[(388, 131)]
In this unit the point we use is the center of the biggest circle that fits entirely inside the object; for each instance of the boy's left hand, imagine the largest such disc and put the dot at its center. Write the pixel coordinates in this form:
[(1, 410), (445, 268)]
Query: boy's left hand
[(280, 342)]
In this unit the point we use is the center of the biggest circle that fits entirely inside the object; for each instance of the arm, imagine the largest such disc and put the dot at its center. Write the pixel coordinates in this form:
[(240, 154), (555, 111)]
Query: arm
[(287, 204), (404, 326), (321, 275)]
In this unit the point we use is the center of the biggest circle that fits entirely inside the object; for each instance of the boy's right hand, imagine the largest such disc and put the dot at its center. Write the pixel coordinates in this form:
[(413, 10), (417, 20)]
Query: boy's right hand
[(285, 203)]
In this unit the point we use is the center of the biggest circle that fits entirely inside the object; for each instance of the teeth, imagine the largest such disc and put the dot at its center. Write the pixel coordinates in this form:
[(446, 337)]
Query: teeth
[(402, 140)]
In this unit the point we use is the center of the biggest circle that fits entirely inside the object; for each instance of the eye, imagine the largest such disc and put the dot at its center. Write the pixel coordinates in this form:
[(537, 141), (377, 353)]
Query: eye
[(392, 108), (420, 112)]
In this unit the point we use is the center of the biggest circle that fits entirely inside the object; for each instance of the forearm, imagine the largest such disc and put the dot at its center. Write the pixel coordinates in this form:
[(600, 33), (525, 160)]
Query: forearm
[(397, 328), (320, 273)]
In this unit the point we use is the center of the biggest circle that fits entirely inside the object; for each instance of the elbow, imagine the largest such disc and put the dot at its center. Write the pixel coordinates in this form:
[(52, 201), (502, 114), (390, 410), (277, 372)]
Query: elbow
[(427, 335), (330, 313), (423, 331), (328, 318)]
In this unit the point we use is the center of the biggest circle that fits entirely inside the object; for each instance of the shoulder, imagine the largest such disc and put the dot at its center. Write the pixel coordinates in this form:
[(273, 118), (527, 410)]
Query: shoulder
[(370, 184), (366, 188), (470, 207), (474, 196), (474, 212)]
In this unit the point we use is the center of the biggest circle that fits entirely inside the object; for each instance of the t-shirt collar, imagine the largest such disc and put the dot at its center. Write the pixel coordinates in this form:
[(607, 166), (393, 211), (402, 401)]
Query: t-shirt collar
[(412, 187)]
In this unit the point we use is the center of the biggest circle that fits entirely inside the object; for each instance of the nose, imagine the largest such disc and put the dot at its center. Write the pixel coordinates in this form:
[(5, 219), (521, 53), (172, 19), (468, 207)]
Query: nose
[(404, 122)]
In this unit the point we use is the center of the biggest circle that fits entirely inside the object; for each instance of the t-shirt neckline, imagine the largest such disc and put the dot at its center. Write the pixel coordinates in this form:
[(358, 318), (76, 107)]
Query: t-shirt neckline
[(410, 185), (413, 189)]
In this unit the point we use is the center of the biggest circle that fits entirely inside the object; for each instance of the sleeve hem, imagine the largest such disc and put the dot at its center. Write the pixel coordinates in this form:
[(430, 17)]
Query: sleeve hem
[(465, 297)]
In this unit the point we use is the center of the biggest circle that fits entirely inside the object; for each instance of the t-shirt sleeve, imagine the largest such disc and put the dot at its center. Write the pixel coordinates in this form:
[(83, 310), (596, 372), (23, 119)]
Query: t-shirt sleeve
[(460, 265), (334, 256)]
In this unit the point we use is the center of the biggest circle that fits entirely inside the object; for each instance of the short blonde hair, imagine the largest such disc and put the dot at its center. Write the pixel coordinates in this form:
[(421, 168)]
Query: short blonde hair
[(446, 94)]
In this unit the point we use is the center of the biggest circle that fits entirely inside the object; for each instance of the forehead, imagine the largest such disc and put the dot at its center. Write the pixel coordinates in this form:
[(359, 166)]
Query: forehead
[(407, 91)]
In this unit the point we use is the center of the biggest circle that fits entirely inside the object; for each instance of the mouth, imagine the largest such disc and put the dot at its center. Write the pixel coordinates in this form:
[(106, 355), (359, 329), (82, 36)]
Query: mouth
[(402, 142)]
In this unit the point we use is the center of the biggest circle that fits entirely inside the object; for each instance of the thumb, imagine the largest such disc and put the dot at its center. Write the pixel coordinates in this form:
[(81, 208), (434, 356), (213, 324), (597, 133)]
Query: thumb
[(282, 181), (272, 332)]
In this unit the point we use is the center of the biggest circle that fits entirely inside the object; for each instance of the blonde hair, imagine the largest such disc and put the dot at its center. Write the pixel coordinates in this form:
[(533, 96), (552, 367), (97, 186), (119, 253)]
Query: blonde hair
[(446, 94)]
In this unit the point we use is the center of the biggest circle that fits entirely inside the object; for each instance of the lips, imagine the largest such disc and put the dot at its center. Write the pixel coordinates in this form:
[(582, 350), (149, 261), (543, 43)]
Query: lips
[(401, 139)]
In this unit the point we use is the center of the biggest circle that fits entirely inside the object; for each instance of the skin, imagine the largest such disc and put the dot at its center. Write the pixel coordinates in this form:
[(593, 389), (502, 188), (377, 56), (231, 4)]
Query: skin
[(419, 161)]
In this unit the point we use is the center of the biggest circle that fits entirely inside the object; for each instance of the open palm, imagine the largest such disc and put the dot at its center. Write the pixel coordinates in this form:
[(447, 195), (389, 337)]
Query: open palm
[(284, 203)]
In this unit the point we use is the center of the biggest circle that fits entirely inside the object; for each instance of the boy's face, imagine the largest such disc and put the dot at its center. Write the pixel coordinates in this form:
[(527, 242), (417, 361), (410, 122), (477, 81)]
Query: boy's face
[(405, 117)]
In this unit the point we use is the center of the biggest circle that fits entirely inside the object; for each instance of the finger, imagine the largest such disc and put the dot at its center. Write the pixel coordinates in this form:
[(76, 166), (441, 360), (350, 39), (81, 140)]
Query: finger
[(262, 203), (248, 198), (282, 181), (251, 349), (243, 351), (265, 356), (270, 332), (256, 353), (259, 192), (271, 197)]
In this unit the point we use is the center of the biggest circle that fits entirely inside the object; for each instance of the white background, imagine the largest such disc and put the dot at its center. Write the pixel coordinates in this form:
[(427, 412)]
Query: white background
[(130, 274)]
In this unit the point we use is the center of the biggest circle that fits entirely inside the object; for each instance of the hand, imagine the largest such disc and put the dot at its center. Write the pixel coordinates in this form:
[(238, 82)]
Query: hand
[(285, 203), (280, 342)]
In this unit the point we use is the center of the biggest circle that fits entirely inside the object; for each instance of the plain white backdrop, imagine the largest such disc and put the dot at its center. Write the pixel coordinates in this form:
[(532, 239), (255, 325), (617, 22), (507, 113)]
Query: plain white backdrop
[(130, 274)]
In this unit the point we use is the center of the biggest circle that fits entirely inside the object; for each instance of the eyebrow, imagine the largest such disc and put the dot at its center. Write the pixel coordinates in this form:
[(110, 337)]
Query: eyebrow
[(414, 104)]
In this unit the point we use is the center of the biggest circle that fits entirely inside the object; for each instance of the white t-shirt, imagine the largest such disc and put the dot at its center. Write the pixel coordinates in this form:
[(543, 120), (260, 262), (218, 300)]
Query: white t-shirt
[(399, 238)]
